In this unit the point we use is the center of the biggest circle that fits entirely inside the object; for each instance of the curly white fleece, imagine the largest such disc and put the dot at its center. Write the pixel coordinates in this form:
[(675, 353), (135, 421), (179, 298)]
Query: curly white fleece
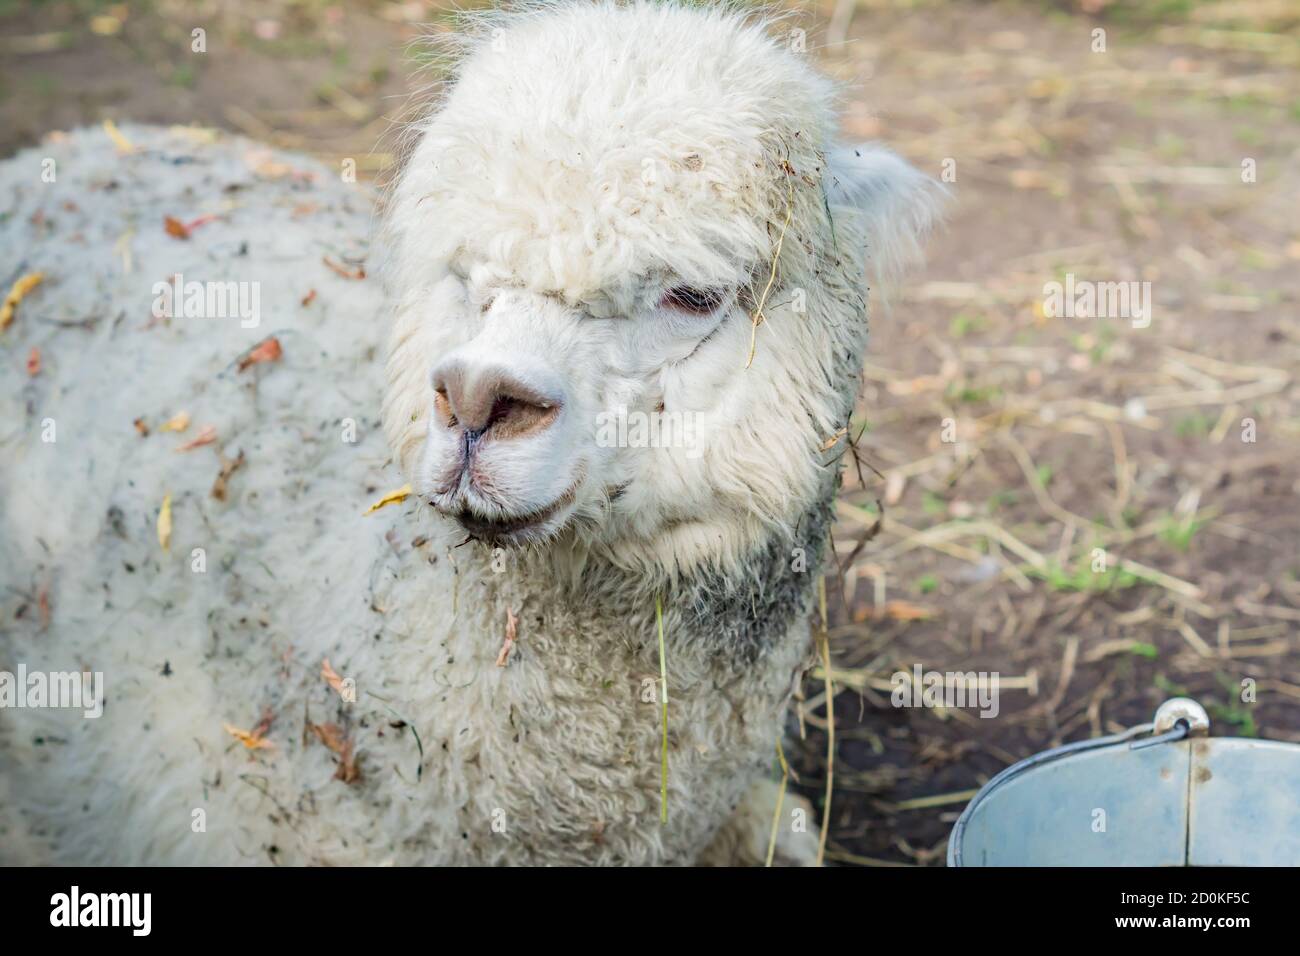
[(587, 156)]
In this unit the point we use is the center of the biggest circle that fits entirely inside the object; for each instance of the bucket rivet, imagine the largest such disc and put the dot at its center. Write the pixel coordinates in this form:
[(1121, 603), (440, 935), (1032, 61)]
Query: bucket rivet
[(1178, 709)]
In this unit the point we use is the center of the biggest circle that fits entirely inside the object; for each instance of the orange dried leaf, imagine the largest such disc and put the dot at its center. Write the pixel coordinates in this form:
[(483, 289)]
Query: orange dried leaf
[(309, 298), (228, 467), (34, 362), (900, 611), (330, 677), (268, 350), (358, 273), (348, 771), (252, 739), (332, 736), (142, 427), (206, 436), (175, 228), (512, 624)]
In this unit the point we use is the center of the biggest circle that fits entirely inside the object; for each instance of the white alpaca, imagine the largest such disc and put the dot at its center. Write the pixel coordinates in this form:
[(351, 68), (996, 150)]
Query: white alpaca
[(578, 244)]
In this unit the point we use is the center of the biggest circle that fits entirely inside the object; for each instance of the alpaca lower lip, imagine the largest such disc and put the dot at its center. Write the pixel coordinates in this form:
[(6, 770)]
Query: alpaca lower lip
[(511, 526), (489, 528)]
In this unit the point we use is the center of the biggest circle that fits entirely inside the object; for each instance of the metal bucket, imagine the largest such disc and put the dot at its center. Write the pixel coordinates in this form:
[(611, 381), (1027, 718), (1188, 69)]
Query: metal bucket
[(1177, 798)]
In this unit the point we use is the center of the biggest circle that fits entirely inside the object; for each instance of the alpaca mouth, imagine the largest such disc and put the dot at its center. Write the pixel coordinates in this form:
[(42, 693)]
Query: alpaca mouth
[(512, 529)]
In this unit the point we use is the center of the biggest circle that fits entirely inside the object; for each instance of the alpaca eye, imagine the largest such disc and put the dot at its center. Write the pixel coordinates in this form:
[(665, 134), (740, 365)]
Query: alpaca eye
[(694, 301)]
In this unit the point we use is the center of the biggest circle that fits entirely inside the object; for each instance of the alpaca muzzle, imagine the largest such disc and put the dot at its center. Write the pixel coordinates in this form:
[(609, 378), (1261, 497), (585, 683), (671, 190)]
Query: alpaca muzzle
[(496, 440)]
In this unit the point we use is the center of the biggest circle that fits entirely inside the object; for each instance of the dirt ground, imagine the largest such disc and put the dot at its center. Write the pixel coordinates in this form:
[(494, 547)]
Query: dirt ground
[(1100, 510)]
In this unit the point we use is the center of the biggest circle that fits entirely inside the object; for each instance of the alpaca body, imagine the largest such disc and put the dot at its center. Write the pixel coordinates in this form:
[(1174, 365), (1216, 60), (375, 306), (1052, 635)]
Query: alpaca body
[(554, 757)]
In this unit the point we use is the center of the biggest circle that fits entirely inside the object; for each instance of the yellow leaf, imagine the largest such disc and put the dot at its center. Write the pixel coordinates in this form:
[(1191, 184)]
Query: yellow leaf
[(123, 144), (834, 440), (199, 135), (165, 524), (177, 423), (17, 293), (392, 498), (105, 26)]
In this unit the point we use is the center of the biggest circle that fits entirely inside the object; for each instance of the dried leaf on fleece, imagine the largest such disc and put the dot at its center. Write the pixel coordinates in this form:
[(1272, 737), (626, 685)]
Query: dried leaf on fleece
[(329, 676), (512, 624), (123, 144), (358, 273), (248, 738), (17, 292), (177, 423), (175, 228), (183, 230), (165, 524), (332, 736), (254, 739), (228, 467), (268, 350), (392, 498), (206, 436)]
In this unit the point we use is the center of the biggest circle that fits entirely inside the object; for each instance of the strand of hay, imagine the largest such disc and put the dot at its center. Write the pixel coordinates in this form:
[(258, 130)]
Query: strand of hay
[(663, 680), (771, 278), (830, 721), (780, 800)]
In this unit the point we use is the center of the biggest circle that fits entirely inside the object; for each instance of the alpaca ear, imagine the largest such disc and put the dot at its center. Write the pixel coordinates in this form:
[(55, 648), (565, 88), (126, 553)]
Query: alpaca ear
[(898, 204)]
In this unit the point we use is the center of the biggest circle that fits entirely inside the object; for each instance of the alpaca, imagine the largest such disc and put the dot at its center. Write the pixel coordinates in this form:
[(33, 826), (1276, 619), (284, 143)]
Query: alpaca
[(621, 213)]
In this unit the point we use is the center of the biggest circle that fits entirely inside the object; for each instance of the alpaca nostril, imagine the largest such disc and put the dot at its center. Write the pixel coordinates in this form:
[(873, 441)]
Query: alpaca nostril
[(504, 408), (513, 414), (490, 402), (442, 406)]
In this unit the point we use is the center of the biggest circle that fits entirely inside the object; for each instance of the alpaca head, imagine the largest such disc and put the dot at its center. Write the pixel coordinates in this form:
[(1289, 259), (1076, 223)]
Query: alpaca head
[(591, 222)]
